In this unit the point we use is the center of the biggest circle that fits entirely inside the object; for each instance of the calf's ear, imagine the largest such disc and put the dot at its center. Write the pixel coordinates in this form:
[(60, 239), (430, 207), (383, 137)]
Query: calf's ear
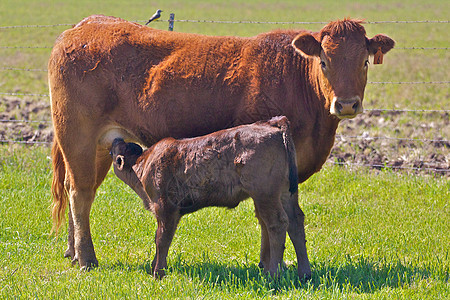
[(307, 45), (119, 162), (380, 41)]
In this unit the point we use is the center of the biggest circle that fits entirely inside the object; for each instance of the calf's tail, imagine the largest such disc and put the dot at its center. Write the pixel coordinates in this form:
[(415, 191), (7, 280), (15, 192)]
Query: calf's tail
[(292, 159), (60, 198), (283, 123)]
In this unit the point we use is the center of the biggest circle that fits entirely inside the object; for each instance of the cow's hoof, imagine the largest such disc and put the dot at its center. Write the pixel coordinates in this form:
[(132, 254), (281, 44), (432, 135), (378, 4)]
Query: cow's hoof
[(89, 265), (86, 265), (70, 253)]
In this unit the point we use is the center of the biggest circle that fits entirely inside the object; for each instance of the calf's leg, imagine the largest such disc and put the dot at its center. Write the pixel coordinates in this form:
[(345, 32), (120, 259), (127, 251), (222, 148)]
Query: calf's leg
[(167, 217), (296, 231), (264, 257), (273, 215)]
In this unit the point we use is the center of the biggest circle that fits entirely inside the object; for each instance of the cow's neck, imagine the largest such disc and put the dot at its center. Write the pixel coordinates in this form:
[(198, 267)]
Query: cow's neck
[(316, 132)]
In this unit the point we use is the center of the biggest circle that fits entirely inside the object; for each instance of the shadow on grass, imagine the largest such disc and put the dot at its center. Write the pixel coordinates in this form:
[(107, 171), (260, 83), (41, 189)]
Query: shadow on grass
[(359, 276)]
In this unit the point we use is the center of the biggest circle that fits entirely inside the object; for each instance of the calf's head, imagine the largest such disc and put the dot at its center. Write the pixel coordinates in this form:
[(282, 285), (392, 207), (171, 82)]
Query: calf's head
[(341, 53), (124, 154)]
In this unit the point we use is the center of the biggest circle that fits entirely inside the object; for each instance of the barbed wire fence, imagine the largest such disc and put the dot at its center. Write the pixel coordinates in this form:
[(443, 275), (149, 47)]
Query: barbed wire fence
[(346, 138)]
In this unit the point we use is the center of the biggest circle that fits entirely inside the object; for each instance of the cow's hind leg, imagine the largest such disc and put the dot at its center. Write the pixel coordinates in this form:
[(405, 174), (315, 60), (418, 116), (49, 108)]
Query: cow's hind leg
[(103, 163), (86, 169), (167, 217), (273, 215), (296, 231), (70, 252)]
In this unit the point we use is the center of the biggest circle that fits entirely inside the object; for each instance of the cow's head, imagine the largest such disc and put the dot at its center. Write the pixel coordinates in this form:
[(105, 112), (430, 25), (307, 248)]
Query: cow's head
[(341, 53), (124, 154)]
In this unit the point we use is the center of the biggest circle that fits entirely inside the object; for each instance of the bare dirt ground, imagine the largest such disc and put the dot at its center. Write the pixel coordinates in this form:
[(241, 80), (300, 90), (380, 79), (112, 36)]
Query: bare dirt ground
[(402, 141)]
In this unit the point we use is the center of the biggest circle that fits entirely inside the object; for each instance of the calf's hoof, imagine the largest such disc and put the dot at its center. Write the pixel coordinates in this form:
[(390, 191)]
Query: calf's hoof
[(304, 272), (304, 277), (283, 265)]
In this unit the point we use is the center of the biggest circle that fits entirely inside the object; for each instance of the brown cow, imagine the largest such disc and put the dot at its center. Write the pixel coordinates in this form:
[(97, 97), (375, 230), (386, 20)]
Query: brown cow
[(176, 177), (109, 77)]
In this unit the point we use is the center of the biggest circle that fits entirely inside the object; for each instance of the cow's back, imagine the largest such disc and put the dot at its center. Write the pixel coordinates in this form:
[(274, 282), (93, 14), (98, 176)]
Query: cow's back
[(156, 83), (153, 83)]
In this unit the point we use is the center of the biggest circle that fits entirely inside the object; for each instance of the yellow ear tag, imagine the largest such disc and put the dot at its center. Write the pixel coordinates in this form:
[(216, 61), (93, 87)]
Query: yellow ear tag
[(378, 57)]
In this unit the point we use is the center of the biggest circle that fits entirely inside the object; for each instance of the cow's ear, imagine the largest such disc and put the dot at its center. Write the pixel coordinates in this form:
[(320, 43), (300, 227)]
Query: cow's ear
[(380, 41), (119, 162), (307, 45)]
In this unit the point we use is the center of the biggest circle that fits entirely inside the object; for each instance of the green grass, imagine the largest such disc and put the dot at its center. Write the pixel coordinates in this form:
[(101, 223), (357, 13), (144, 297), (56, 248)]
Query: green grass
[(370, 235)]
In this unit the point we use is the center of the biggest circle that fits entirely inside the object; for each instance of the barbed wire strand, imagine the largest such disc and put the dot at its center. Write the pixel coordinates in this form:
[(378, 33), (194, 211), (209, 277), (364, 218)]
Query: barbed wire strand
[(25, 94), (26, 47), (24, 121), (407, 110), (22, 69), (293, 22), (381, 110), (338, 136), (370, 138), (237, 22), (369, 82), (379, 166), (25, 142), (408, 82), (34, 26)]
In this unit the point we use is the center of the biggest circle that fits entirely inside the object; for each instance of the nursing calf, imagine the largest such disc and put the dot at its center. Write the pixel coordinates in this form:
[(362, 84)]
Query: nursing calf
[(177, 177)]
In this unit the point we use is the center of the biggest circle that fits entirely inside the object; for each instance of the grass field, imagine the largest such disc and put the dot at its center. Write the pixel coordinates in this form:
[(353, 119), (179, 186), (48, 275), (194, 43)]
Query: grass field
[(370, 235), (376, 235)]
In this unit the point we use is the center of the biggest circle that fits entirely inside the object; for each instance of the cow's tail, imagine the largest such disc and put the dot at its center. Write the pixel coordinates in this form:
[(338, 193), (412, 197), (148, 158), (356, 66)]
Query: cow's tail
[(60, 198), (283, 123)]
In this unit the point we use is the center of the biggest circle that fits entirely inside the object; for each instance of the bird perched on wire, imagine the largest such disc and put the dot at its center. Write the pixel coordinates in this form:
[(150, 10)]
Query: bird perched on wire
[(156, 16)]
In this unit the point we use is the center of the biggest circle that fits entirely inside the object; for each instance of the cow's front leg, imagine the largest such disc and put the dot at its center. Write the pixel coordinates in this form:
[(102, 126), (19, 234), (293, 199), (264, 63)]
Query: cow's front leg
[(167, 217), (296, 232)]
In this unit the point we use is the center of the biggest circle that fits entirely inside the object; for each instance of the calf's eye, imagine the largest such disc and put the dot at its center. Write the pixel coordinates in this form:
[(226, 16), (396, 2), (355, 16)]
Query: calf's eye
[(323, 64), (366, 63)]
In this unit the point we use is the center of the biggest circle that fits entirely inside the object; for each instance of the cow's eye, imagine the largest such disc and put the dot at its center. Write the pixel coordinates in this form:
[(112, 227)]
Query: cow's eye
[(366, 63), (323, 64)]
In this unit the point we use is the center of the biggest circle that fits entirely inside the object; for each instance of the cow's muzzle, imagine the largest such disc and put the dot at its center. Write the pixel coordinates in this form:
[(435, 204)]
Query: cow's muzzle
[(346, 108)]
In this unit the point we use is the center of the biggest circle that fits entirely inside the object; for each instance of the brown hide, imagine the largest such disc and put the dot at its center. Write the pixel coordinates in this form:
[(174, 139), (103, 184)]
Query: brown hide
[(215, 169), (112, 78), (176, 177)]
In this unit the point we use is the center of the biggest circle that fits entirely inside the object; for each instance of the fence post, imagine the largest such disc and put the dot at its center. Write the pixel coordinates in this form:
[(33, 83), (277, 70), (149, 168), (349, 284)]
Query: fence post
[(171, 19)]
